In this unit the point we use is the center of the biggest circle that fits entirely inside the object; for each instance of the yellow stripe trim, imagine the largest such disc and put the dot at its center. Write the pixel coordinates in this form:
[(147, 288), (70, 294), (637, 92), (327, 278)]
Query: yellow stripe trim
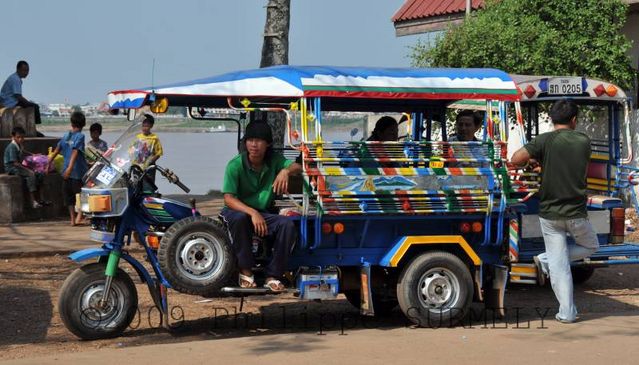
[(430, 240), (594, 180), (153, 206), (333, 170), (523, 269), (599, 156)]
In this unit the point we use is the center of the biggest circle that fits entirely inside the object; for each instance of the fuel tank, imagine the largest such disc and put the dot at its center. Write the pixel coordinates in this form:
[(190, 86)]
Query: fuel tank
[(164, 212)]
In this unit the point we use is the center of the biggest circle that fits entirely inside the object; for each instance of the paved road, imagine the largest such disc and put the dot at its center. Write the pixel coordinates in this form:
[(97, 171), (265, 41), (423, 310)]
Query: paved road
[(602, 340)]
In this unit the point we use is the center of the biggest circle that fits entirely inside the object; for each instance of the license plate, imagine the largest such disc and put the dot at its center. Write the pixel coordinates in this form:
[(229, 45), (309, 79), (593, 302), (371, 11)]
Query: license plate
[(565, 86), (106, 175)]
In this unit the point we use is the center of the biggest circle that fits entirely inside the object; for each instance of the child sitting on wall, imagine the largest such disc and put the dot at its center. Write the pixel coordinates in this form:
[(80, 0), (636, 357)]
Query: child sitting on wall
[(13, 157)]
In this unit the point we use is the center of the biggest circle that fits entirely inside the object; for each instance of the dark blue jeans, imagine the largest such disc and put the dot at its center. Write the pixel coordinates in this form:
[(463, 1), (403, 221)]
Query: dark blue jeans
[(281, 231)]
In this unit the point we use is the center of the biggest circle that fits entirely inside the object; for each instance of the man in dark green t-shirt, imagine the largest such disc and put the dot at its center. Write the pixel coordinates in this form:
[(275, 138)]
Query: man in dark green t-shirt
[(251, 181), (564, 155)]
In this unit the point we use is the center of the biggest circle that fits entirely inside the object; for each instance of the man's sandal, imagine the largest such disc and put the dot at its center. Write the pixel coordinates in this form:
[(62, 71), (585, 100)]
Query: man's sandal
[(275, 286), (247, 282)]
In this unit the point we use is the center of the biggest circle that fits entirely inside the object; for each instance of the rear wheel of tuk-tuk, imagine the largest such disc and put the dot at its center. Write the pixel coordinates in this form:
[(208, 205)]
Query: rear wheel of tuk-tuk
[(435, 289), (81, 308)]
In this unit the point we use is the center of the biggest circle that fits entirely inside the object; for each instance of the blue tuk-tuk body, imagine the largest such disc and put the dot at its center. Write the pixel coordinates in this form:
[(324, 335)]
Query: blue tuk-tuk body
[(425, 222)]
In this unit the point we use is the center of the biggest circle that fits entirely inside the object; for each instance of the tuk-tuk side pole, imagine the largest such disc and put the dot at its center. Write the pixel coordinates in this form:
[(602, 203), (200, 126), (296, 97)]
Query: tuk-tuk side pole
[(317, 112), (617, 146), (307, 183), (613, 136)]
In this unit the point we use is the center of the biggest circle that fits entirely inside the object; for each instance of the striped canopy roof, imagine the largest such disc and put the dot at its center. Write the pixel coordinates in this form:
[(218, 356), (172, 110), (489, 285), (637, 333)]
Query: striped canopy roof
[(292, 82)]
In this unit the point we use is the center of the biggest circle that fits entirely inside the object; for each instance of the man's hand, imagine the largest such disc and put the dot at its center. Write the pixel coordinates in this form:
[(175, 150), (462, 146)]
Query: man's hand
[(259, 224), (280, 185), (66, 174)]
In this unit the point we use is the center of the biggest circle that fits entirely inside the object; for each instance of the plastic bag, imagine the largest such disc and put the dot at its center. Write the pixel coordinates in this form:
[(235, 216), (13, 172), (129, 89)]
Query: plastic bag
[(37, 163), (58, 162)]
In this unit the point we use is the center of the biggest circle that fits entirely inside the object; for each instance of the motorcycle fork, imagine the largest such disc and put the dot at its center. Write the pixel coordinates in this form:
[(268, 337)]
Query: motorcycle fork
[(110, 272)]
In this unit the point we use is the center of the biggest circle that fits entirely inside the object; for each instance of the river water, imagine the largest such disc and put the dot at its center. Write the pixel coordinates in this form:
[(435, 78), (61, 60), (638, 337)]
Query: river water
[(198, 159)]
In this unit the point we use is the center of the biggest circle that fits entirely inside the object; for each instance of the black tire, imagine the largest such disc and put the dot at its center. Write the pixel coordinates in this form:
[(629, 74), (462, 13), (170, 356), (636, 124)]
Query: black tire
[(435, 289), (196, 256), (78, 303), (581, 274), (383, 306)]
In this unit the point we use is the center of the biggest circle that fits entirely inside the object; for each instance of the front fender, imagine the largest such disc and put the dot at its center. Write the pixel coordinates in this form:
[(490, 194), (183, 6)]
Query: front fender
[(89, 253)]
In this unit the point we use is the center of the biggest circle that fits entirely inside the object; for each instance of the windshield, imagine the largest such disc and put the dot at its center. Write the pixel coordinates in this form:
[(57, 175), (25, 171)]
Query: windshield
[(127, 150)]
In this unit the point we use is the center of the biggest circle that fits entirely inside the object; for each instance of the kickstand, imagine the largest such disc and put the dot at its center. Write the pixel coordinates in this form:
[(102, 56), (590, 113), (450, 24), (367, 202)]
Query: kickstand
[(241, 303)]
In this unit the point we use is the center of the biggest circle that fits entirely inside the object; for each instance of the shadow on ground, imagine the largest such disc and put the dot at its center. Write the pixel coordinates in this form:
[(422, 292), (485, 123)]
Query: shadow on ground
[(26, 315)]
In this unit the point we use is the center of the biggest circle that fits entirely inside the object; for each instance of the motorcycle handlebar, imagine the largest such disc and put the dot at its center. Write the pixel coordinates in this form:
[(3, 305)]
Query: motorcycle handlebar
[(173, 178)]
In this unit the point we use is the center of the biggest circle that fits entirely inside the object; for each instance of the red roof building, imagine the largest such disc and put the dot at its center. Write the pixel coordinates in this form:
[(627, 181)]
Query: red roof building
[(424, 16), (421, 16)]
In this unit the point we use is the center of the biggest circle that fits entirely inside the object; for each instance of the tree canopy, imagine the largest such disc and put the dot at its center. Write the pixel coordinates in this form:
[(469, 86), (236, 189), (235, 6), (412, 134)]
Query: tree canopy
[(538, 37)]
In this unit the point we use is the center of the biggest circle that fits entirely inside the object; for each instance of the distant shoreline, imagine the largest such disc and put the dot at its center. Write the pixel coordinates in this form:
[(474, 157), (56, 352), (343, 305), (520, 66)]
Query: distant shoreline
[(55, 126)]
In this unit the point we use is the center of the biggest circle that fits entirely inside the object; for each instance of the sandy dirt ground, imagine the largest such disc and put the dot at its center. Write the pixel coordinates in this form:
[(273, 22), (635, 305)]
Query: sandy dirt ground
[(31, 330)]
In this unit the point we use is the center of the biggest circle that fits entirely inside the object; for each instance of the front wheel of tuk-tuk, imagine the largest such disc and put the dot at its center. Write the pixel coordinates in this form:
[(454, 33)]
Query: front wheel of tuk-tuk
[(435, 289)]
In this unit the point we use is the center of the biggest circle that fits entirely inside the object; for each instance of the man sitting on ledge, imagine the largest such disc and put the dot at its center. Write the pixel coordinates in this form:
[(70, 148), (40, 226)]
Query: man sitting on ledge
[(11, 92)]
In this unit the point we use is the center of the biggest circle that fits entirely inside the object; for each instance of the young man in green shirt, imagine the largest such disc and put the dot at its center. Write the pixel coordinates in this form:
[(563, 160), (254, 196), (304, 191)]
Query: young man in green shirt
[(251, 181), (564, 155)]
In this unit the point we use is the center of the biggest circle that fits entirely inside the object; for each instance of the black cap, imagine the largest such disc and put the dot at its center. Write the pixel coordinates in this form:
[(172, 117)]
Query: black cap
[(259, 129)]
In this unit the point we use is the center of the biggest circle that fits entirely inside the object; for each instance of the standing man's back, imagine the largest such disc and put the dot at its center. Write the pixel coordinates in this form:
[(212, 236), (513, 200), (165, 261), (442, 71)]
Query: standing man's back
[(564, 155)]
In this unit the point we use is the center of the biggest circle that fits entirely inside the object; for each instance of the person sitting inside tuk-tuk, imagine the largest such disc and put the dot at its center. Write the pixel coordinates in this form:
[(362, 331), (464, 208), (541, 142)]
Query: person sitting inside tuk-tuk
[(251, 181), (386, 129), (467, 123)]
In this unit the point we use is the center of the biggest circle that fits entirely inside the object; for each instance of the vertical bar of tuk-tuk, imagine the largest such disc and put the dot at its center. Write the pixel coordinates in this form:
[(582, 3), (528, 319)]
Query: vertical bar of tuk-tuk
[(305, 193), (429, 125), (536, 120), (317, 110), (418, 122), (613, 140)]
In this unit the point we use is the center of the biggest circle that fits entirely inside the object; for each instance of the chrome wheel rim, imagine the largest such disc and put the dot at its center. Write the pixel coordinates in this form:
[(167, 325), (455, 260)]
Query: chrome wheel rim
[(438, 290), (199, 256), (95, 315)]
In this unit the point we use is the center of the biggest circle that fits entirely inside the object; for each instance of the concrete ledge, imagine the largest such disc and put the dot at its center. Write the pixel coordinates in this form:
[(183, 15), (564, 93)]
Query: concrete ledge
[(17, 116), (14, 198)]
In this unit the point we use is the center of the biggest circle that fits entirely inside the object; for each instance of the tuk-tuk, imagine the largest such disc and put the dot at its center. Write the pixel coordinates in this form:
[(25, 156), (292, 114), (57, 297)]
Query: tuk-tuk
[(423, 222), (605, 117)]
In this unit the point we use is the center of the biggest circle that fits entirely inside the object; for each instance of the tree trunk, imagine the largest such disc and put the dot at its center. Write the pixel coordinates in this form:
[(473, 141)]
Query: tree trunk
[(275, 52)]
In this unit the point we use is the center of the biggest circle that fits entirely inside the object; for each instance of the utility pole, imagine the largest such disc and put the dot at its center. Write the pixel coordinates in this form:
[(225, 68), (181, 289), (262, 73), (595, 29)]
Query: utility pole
[(468, 7), (275, 52)]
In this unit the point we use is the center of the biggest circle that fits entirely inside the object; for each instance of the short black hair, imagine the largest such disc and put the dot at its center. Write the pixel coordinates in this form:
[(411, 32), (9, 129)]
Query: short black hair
[(562, 111), (21, 63), (96, 127), (149, 119), (78, 120), (477, 118), (17, 130)]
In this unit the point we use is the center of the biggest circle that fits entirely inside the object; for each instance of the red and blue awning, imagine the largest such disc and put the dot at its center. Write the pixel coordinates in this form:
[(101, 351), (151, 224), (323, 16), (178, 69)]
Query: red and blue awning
[(333, 82)]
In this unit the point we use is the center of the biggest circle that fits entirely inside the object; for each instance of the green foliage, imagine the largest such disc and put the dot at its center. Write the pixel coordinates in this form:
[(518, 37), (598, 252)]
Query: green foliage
[(538, 37)]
